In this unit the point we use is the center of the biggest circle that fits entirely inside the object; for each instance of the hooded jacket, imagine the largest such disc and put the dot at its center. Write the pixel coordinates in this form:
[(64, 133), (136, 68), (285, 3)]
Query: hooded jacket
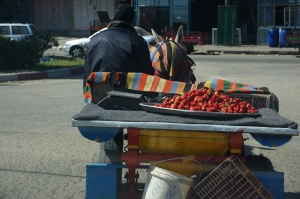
[(119, 48)]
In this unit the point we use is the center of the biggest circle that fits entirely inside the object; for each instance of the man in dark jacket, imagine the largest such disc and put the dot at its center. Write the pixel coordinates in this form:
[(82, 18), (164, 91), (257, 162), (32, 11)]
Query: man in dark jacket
[(118, 48)]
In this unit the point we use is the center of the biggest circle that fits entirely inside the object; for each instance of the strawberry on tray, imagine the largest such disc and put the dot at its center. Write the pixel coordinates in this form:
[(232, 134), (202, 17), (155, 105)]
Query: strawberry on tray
[(204, 100)]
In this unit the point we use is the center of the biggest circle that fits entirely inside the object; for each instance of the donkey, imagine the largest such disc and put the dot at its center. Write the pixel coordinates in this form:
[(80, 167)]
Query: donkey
[(170, 60)]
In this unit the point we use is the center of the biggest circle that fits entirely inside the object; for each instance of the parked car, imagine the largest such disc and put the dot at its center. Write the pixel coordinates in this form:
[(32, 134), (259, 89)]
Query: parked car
[(78, 47), (17, 31)]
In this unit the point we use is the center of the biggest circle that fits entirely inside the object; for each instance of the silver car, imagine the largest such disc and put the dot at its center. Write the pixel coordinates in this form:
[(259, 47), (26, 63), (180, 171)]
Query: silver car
[(17, 31), (78, 47)]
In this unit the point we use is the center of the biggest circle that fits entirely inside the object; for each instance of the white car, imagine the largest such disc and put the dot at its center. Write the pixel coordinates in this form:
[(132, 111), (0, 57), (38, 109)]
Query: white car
[(17, 31), (78, 47)]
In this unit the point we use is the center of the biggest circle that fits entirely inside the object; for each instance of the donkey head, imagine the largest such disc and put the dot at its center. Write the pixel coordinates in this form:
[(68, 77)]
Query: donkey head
[(169, 59)]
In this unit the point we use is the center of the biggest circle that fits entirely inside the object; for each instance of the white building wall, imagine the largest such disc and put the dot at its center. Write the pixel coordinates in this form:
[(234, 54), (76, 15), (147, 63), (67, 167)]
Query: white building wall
[(80, 13), (85, 11), (50, 14), (68, 15), (61, 19)]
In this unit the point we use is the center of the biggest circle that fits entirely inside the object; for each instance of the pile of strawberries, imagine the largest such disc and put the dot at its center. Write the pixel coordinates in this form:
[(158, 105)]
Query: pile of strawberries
[(207, 99)]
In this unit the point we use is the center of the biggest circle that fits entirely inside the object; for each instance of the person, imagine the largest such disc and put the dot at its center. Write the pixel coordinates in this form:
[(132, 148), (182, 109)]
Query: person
[(119, 48)]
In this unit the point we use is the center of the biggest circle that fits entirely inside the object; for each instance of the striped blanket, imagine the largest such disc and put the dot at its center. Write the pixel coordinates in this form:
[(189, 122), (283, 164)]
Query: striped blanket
[(149, 83), (171, 62)]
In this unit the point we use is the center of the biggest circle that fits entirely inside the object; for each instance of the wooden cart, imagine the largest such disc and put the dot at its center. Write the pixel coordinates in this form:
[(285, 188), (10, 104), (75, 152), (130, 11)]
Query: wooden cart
[(133, 139)]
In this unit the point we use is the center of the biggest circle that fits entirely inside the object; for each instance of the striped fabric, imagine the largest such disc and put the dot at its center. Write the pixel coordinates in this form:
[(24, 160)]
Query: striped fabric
[(144, 82), (170, 61), (231, 87), (100, 77)]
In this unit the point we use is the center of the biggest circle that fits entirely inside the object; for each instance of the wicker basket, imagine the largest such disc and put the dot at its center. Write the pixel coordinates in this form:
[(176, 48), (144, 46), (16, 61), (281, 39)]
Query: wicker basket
[(231, 179), (256, 100)]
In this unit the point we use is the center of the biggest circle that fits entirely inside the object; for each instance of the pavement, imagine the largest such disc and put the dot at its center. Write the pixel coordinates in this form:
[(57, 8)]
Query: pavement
[(247, 49), (199, 49)]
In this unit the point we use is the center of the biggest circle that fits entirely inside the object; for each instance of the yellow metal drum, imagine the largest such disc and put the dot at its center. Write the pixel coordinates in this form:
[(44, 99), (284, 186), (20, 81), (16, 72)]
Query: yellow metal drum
[(183, 142)]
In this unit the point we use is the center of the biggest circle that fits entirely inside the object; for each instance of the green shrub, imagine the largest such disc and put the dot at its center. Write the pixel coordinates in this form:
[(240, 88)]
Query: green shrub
[(26, 52)]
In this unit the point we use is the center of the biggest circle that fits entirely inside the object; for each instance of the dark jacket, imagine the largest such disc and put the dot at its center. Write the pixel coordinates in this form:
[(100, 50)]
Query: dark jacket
[(120, 49)]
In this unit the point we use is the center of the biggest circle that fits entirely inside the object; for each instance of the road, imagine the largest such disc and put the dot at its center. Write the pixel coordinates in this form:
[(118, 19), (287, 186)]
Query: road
[(42, 156)]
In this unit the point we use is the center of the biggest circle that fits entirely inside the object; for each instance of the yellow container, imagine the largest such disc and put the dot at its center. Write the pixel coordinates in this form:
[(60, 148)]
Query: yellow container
[(183, 142)]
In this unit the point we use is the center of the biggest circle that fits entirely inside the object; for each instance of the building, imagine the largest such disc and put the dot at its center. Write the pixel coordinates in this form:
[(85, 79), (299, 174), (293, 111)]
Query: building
[(276, 14), (71, 17), (252, 19)]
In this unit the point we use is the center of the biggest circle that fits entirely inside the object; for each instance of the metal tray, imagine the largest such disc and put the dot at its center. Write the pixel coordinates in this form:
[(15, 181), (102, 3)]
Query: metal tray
[(151, 108)]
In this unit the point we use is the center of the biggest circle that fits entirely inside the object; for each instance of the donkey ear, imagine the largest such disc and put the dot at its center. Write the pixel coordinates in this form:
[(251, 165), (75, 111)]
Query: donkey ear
[(179, 35), (157, 38)]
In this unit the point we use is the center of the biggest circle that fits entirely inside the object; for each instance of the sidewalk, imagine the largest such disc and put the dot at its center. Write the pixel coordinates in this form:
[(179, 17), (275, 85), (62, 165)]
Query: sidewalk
[(23, 76), (246, 49), (205, 49)]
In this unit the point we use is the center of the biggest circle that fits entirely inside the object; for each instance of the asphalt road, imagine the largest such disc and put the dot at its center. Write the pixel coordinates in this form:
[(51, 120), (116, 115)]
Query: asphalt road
[(42, 156)]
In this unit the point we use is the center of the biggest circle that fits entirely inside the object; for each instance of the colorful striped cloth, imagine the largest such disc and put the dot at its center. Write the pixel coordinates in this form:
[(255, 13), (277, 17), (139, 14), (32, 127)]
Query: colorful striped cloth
[(231, 87), (144, 82), (99, 77), (170, 61)]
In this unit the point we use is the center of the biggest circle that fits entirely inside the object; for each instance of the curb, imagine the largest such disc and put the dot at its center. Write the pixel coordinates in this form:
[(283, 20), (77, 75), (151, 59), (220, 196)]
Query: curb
[(254, 53), (246, 52), (41, 74)]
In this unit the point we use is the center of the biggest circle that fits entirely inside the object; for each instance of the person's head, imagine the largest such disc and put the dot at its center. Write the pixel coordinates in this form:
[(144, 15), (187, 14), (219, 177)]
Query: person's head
[(125, 13)]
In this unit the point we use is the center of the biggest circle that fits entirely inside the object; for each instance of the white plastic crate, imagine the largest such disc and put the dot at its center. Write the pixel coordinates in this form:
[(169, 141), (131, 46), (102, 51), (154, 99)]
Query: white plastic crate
[(256, 100)]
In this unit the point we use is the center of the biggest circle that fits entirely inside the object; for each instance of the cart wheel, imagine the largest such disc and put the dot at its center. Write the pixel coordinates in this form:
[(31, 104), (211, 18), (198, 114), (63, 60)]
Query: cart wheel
[(114, 148), (109, 152), (259, 163)]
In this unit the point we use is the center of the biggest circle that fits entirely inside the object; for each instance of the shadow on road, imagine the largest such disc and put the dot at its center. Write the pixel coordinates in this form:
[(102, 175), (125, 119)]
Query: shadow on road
[(248, 149), (43, 173), (80, 77)]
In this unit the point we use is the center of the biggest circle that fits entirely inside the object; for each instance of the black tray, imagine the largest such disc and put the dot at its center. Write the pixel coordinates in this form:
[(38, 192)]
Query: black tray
[(151, 108)]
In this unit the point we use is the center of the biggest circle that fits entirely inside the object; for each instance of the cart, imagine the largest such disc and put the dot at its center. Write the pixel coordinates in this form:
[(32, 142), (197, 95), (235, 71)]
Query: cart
[(177, 143)]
